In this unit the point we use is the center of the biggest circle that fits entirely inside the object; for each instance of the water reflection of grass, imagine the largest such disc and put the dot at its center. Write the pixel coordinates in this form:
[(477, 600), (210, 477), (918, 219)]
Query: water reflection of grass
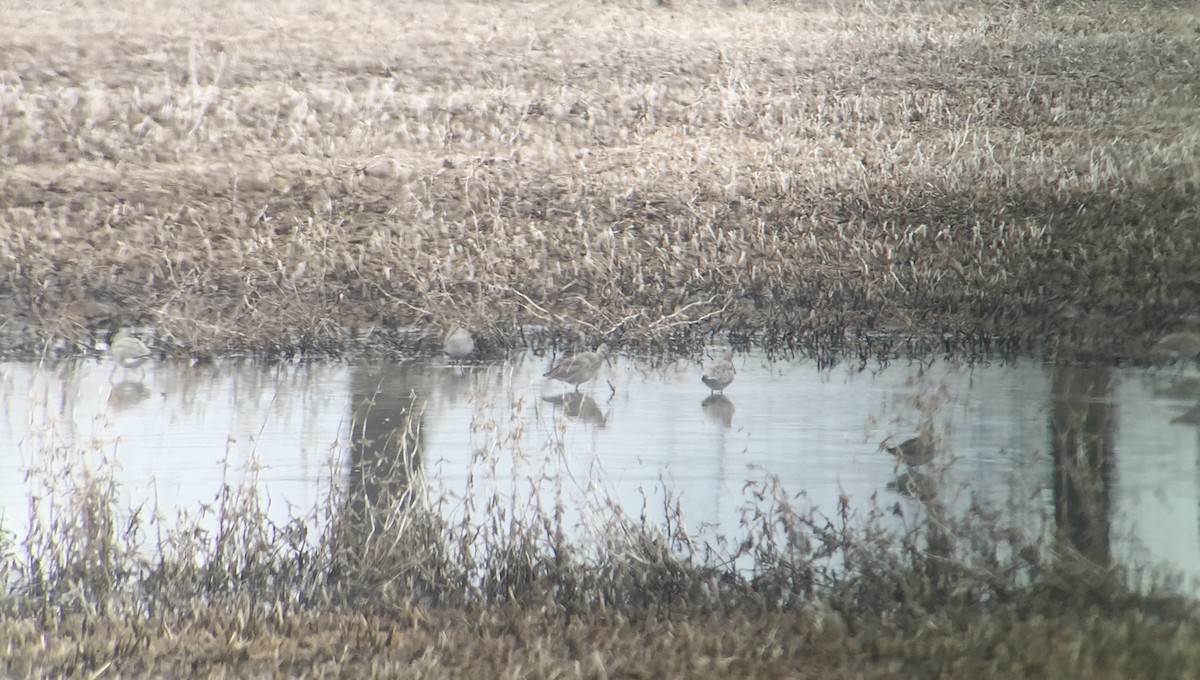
[(384, 578)]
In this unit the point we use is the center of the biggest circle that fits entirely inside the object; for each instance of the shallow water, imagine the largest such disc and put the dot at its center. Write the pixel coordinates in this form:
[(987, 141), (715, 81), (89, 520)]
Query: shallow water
[(171, 437)]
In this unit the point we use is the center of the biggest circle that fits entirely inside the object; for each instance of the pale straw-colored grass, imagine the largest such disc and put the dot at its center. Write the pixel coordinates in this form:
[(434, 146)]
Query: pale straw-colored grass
[(295, 175)]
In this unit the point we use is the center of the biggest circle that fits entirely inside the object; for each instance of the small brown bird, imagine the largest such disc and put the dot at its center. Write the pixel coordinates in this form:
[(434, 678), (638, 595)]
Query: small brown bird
[(459, 344), (720, 373), (580, 368)]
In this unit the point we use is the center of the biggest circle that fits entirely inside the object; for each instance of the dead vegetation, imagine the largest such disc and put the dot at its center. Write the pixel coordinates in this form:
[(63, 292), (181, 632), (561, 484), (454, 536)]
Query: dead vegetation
[(510, 577), (299, 178), (306, 177), (379, 583)]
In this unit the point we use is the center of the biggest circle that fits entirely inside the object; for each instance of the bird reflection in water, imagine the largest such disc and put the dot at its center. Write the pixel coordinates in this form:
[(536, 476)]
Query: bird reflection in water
[(719, 409), (915, 485), (457, 384), (127, 394), (578, 405)]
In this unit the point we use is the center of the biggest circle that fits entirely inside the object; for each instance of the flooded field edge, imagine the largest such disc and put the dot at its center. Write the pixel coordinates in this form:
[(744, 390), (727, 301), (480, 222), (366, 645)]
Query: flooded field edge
[(381, 567), (851, 182), (393, 584), (386, 564)]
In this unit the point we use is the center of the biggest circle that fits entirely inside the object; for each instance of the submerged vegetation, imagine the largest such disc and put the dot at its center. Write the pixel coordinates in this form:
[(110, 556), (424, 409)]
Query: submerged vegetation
[(296, 178), (299, 177)]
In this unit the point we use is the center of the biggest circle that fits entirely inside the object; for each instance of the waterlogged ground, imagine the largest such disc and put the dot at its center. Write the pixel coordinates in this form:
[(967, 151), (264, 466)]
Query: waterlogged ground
[(645, 434)]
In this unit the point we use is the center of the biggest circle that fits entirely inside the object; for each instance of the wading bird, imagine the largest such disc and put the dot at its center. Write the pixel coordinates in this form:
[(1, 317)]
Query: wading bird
[(720, 373), (459, 344), (580, 368), (1178, 347), (1188, 417), (914, 452), (127, 351)]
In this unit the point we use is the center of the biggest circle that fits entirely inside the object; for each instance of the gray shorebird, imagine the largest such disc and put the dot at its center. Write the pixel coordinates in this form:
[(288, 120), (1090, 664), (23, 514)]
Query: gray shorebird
[(720, 373), (580, 368), (1178, 347), (459, 344), (913, 452), (127, 351), (1188, 417)]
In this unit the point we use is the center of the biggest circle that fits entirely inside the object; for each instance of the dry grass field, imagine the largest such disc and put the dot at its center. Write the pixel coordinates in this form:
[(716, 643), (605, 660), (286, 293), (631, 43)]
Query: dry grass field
[(303, 176), (294, 176)]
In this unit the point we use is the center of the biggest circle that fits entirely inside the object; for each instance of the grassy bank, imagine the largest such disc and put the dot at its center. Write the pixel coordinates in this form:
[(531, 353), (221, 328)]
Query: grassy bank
[(533, 642), (299, 176)]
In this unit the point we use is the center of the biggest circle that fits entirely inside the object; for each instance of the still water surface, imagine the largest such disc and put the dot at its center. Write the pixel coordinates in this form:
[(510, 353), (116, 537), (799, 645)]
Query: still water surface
[(173, 436)]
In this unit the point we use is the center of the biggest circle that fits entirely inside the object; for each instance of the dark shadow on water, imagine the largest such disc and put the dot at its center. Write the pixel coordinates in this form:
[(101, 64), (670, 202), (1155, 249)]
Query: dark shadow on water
[(386, 442), (1082, 431), (457, 382)]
